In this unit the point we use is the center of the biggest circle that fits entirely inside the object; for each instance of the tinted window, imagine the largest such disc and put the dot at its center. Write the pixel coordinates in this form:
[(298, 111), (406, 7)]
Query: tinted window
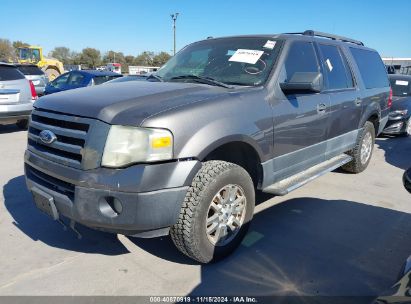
[(371, 68), (76, 79), (301, 58), (9, 73), (401, 87), (30, 70), (336, 67)]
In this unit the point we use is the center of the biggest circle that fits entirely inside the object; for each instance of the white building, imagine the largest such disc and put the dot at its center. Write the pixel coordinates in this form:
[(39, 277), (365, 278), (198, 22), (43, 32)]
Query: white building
[(139, 69)]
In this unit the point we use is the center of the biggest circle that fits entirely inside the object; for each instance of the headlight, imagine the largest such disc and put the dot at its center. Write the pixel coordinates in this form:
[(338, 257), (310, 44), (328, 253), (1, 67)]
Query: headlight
[(127, 145), (398, 113)]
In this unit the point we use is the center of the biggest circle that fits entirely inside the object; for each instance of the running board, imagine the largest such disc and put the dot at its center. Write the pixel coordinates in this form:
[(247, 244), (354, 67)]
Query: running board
[(291, 183)]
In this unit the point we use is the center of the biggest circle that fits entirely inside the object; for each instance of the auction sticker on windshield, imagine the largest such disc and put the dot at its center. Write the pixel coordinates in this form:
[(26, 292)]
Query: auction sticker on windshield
[(246, 56)]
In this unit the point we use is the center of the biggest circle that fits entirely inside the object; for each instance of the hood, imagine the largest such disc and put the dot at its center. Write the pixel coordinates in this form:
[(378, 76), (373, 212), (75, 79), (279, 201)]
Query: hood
[(127, 103)]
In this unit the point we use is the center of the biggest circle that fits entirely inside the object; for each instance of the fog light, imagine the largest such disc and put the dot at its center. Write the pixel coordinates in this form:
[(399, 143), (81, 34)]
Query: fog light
[(110, 206)]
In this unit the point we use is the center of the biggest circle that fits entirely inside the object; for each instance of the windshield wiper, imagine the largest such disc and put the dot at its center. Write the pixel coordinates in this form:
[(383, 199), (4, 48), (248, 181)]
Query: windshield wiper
[(202, 79), (151, 76)]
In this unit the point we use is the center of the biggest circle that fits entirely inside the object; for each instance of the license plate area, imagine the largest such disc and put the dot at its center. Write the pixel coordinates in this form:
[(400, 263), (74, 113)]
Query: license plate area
[(45, 202)]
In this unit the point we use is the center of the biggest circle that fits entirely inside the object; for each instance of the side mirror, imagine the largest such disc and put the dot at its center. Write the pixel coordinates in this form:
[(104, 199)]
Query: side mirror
[(406, 179), (303, 82)]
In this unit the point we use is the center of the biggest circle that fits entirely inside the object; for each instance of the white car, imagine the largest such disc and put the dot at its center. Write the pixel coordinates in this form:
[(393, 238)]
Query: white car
[(17, 95)]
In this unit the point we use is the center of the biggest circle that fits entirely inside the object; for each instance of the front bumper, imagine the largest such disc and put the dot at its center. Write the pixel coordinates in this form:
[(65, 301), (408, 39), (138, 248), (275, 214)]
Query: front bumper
[(12, 113), (396, 126), (150, 195)]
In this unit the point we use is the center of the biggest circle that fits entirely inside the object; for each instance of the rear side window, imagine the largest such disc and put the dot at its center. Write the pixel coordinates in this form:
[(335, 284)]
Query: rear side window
[(301, 58), (76, 79), (30, 70), (372, 69), (336, 67), (8, 73)]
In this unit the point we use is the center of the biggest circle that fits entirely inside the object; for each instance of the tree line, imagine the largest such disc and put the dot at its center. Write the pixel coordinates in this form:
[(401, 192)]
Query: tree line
[(88, 57)]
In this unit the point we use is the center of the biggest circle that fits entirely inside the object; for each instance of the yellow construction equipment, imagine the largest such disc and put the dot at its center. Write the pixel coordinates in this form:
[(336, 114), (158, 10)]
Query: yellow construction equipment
[(34, 54)]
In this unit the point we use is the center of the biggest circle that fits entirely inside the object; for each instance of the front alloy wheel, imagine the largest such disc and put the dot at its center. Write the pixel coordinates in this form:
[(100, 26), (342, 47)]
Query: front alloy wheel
[(366, 148), (226, 215)]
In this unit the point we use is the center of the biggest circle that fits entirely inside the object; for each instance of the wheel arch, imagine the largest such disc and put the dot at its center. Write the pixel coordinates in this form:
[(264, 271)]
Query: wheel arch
[(237, 149)]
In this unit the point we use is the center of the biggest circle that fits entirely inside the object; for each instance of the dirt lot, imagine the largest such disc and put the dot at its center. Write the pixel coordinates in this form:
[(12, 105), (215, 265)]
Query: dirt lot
[(342, 234)]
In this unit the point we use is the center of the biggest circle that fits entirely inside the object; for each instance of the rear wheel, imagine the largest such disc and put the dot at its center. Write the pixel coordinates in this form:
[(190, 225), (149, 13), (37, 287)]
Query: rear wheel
[(22, 124), (52, 74), (363, 149), (216, 212)]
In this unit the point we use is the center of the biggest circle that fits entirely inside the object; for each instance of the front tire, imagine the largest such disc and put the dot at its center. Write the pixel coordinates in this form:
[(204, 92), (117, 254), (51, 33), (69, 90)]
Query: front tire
[(216, 212), (407, 129), (22, 124), (363, 149)]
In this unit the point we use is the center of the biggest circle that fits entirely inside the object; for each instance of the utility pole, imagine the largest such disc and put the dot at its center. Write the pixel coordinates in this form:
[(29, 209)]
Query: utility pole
[(174, 18)]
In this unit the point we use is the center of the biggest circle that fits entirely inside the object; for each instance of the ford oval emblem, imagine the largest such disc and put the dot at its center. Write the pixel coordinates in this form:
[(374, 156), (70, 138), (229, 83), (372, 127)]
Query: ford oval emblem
[(47, 137)]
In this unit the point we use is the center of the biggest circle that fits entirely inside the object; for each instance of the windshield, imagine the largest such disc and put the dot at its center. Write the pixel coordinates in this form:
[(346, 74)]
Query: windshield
[(238, 61), (401, 87)]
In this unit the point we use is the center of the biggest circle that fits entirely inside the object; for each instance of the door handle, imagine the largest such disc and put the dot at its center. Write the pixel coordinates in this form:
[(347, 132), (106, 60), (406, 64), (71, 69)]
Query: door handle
[(321, 108), (358, 101)]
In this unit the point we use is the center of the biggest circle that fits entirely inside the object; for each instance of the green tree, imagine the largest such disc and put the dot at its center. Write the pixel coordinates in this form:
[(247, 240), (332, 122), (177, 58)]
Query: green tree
[(63, 54), (90, 57), (112, 56), (18, 43), (161, 58), (7, 52), (145, 59)]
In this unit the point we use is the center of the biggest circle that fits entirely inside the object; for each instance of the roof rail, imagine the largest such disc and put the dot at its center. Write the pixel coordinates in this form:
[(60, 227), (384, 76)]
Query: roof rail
[(330, 36)]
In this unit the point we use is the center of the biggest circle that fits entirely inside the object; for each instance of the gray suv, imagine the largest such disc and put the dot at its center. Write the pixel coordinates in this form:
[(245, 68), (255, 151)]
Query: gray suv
[(183, 152)]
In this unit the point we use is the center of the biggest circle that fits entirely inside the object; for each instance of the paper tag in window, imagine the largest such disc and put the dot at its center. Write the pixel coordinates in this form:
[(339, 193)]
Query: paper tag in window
[(269, 44), (401, 82), (246, 56), (329, 65)]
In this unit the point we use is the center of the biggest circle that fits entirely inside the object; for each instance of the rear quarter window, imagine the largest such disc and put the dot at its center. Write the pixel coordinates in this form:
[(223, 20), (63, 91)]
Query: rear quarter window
[(372, 69), (8, 73)]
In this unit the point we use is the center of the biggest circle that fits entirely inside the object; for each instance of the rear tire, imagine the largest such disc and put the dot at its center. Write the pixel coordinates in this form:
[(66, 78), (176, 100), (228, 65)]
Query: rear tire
[(22, 124), (220, 200), (362, 152)]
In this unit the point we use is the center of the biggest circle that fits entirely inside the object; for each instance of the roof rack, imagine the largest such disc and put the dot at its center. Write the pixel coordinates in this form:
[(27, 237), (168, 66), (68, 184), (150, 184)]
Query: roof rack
[(330, 36)]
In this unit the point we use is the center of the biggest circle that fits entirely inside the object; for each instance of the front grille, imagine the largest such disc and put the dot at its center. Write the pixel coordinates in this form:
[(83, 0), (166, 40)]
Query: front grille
[(50, 182), (71, 133)]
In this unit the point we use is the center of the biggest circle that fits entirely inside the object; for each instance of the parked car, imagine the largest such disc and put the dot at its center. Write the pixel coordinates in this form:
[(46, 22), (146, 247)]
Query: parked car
[(36, 75), (79, 79), (183, 154), (17, 95), (400, 291), (129, 78), (399, 121)]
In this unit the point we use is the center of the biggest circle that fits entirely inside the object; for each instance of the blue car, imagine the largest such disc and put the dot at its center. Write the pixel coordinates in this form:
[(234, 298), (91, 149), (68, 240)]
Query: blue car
[(79, 79)]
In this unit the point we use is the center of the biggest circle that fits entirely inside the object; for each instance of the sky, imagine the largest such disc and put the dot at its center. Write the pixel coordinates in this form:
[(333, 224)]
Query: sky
[(135, 26)]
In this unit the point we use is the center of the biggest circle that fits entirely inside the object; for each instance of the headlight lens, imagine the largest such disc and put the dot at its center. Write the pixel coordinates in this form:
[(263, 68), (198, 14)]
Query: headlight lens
[(127, 145), (398, 113)]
